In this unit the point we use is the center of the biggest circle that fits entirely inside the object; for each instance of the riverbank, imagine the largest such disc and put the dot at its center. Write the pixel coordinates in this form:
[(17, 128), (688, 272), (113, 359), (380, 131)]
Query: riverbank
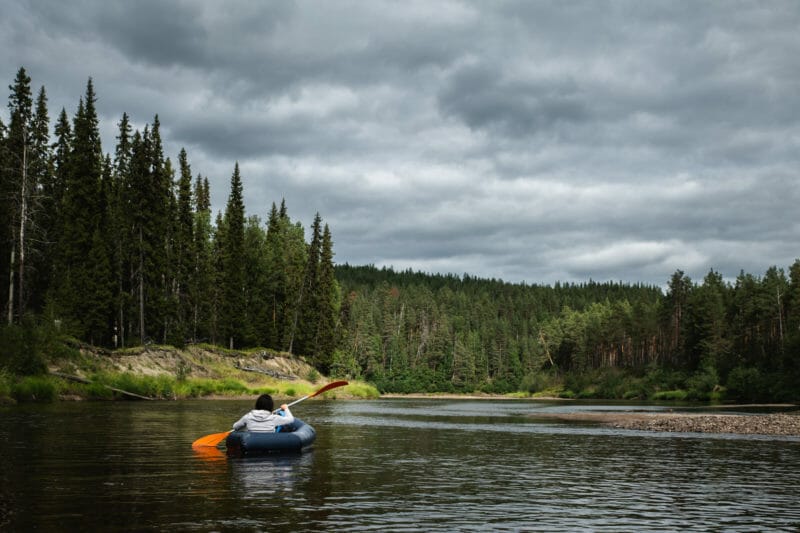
[(787, 424), (168, 373)]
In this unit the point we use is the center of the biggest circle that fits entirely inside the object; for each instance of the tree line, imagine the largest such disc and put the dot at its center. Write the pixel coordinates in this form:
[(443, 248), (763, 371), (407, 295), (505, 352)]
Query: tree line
[(409, 331), (120, 249)]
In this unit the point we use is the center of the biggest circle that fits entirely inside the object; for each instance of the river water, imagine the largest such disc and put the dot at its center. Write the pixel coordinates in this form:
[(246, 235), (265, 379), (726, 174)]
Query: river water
[(385, 465)]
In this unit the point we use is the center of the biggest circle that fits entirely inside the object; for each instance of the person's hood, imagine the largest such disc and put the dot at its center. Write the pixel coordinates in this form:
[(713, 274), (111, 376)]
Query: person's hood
[(260, 416)]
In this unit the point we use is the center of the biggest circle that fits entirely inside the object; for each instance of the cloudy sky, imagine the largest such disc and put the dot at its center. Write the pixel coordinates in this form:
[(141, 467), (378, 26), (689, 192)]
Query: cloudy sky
[(525, 141)]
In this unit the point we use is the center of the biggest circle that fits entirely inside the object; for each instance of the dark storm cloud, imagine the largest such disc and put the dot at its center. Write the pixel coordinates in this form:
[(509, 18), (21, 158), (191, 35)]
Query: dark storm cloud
[(531, 141), (481, 97)]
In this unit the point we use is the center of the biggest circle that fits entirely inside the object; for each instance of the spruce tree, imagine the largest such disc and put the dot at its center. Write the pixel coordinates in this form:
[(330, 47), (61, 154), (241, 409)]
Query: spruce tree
[(120, 226), (5, 219), (329, 306), (159, 205), (41, 213), (303, 333), (54, 191), (201, 289), (81, 210), (275, 300), (256, 273), (184, 255), (295, 262), (18, 187), (137, 229), (232, 262)]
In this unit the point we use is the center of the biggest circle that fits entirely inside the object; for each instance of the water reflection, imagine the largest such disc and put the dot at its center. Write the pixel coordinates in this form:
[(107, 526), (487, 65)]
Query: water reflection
[(258, 477)]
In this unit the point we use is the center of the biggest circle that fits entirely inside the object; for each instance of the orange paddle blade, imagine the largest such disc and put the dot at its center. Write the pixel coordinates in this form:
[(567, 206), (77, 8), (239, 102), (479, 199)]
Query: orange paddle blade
[(210, 440)]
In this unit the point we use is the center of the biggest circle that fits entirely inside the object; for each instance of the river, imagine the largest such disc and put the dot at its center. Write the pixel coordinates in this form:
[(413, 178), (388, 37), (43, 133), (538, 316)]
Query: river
[(385, 465)]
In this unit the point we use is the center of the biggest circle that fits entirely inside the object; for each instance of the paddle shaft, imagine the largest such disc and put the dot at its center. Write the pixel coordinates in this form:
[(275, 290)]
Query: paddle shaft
[(326, 388)]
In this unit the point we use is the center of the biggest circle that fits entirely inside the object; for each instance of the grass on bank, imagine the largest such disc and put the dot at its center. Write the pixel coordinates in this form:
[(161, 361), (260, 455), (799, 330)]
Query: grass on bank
[(616, 384), (46, 388)]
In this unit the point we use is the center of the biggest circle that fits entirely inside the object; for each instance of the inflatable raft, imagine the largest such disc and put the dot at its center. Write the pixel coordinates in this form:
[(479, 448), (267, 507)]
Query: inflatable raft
[(292, 438)]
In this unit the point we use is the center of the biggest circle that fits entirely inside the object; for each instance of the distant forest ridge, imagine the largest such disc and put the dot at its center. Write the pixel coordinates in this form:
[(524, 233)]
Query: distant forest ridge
[(120, 248)]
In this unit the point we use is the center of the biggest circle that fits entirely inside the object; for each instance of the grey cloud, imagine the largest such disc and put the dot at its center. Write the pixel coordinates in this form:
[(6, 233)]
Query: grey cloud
[(482, 97), (527, 141)]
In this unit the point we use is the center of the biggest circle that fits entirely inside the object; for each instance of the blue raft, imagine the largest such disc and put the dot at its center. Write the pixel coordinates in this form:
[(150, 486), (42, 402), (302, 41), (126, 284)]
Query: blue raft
[(291, 438)]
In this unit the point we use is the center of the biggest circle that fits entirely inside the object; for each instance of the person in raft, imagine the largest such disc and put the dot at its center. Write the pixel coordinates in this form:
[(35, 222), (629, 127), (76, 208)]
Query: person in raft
[(263, 419)]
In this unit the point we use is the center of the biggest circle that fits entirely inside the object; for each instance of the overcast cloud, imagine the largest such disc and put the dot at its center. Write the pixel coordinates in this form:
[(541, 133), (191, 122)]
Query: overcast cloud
[(525, 141)]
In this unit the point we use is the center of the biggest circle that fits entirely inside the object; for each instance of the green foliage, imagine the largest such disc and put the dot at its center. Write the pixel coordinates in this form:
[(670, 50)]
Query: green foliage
[(362, 390), (34, 389), (677, 395), (6, 382), (23, 348), (536, 382), (746, 385), (702, 384)]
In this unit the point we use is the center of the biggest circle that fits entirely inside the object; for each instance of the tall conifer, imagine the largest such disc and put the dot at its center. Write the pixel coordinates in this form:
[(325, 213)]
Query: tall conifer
[(233, 258), (328, 306), (17, 190), (184, 255), (81, 210), (201, 289)]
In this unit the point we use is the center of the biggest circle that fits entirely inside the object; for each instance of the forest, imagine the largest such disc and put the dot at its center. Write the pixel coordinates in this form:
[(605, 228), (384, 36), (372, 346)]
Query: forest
[(121, 248)]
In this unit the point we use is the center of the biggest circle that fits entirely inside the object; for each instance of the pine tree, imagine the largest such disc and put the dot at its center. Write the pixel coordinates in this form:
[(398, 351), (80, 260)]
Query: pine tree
[(18, 187), (54, 190), (256, 273), (159, 202), (217, 294), (119, 229), (5, 218), (295, 262), (306, 320), (137, 229), (184, 255), (201, 286), (275, 298), (81, 210), (41, 211), (329, 306), (233, 257), (99, 293)]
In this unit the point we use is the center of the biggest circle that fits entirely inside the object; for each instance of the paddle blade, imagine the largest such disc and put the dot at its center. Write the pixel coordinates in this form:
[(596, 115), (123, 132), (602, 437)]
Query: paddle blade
[(210, 440), (328, 387)]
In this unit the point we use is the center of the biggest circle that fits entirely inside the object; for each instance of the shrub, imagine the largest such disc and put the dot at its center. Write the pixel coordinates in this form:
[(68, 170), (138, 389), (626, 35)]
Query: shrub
[(702, 384), (5, 385), (539, 382), (670, 395), (362, 390), (746, 385), (21, 349), (34, 389)]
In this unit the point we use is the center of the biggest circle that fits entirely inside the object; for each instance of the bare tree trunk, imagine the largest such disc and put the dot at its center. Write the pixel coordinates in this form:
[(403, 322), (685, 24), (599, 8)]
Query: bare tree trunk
[(141, 287), (23, 213), (11, 285)]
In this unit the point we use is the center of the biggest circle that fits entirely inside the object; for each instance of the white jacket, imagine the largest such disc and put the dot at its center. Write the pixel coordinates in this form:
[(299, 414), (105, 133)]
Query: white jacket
[(266, 421)]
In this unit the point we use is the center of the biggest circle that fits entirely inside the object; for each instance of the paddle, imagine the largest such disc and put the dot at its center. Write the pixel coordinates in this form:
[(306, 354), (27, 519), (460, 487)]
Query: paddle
[(216, 438)]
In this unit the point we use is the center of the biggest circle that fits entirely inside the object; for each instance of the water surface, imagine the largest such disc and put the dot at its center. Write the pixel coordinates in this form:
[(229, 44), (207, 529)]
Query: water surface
[(388, 465)]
